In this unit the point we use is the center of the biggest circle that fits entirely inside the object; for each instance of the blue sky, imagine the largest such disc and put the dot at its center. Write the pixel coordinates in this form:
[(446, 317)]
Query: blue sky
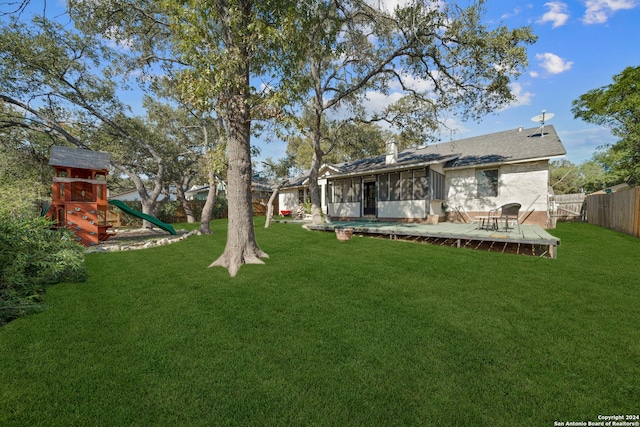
[(581, 45)]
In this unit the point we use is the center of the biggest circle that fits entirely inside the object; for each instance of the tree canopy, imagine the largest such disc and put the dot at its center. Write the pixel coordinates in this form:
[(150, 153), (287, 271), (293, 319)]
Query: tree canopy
[(244, 61), (438, 56), (589, 176), (617, 107)]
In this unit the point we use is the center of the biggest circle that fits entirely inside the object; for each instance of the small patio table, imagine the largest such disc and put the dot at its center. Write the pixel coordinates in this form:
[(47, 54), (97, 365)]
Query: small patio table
[(488, 222)]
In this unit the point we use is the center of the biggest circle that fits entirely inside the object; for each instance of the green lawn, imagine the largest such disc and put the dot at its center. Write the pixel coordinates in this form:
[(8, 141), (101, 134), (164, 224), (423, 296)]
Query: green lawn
[(369, 332)]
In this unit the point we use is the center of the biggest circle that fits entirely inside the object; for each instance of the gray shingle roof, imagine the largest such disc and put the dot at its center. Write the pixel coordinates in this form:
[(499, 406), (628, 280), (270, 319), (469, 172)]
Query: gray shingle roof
[(405, 158), (486, 150), (298, 181), (501, 147), (79, 158)]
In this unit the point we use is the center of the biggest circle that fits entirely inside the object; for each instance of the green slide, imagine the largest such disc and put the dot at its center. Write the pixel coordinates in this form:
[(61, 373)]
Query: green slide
[(153, 220)]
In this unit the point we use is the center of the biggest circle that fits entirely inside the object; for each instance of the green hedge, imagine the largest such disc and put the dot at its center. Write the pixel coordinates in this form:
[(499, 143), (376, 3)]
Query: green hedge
[(32, 255)]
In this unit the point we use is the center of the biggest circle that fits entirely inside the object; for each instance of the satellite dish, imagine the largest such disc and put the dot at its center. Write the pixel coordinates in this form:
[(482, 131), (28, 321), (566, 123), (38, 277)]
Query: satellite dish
[(541, 118)]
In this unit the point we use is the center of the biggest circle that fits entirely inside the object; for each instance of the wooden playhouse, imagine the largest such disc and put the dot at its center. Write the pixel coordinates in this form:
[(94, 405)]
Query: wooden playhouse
[(79, 199)]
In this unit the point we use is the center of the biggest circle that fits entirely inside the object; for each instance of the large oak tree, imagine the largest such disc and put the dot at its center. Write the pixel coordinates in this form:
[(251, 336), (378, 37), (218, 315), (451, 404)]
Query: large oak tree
[(438, 55), (231, 57)]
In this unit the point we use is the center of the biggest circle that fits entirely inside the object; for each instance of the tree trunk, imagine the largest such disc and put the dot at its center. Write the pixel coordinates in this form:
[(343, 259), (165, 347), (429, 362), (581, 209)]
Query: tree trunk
[(241, 245), (207, 209), (314, 192), (316, 162), (185, 204), (148, 207), (270, 206)]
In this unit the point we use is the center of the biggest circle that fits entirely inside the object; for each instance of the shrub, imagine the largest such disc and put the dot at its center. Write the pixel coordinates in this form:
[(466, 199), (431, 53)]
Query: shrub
[(32, 256)]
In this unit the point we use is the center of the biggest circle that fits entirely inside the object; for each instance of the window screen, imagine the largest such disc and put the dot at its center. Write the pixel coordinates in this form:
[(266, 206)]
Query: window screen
[(437, 185), (419, 184), (407, 185), (383, 185), (394, 186), (337, 192)]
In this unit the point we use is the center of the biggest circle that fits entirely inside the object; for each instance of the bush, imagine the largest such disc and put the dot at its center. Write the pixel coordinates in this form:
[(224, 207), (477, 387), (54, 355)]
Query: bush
[(32, 256)]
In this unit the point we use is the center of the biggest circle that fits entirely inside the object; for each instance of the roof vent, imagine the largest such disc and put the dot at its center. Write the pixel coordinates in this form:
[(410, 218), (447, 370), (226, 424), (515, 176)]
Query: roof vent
[(392, 151)]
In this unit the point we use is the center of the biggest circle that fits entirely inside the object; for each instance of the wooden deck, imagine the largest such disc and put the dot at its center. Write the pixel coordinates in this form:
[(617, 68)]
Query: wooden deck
[(532, 239)]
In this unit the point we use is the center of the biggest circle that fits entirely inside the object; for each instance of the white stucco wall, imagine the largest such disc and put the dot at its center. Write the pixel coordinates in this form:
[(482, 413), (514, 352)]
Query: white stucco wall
[(344, 210), (438, 167), (518, 183), (403, 209), (288, 200)]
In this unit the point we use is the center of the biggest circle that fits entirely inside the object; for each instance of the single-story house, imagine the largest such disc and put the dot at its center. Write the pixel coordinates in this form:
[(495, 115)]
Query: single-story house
[(259, 189), (455, 180), (295, 193), (133, 195), (200, 192)]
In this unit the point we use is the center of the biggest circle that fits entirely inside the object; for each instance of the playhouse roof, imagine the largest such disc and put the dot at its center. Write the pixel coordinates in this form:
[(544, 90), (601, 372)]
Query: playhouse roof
[(79, 158)]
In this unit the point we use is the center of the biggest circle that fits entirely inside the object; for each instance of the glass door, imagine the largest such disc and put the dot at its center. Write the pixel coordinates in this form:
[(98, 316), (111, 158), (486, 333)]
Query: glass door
[(369, 198)]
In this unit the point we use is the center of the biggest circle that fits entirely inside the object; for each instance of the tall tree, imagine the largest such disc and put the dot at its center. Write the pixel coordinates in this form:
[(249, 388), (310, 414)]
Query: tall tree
[(438, 55), (226, 44), (617, 107), (277, 172), (565, 177), (346, 141), (50, 74), (24, 154), (595, 176), (206, 131), (214, 49), (185, 141)]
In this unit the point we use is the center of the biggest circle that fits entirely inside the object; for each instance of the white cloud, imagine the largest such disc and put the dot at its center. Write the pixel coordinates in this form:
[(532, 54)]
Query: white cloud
[(599, 11), (391, 5), (552, 63), (411, 82), (376, 102), (515, 12), (557, 14), (522, 96), (116, 41)]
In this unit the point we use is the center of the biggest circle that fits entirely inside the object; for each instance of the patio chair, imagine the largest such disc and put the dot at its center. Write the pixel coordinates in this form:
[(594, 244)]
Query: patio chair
[(508, 212)]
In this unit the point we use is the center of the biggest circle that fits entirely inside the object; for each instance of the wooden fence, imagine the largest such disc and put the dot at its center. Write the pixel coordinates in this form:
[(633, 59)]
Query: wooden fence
[(619, 211), (116, 218), (568, 207)]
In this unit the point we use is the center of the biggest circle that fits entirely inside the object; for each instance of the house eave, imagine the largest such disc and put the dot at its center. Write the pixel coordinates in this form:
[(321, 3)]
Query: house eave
[(496, 164), (392, 168)]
